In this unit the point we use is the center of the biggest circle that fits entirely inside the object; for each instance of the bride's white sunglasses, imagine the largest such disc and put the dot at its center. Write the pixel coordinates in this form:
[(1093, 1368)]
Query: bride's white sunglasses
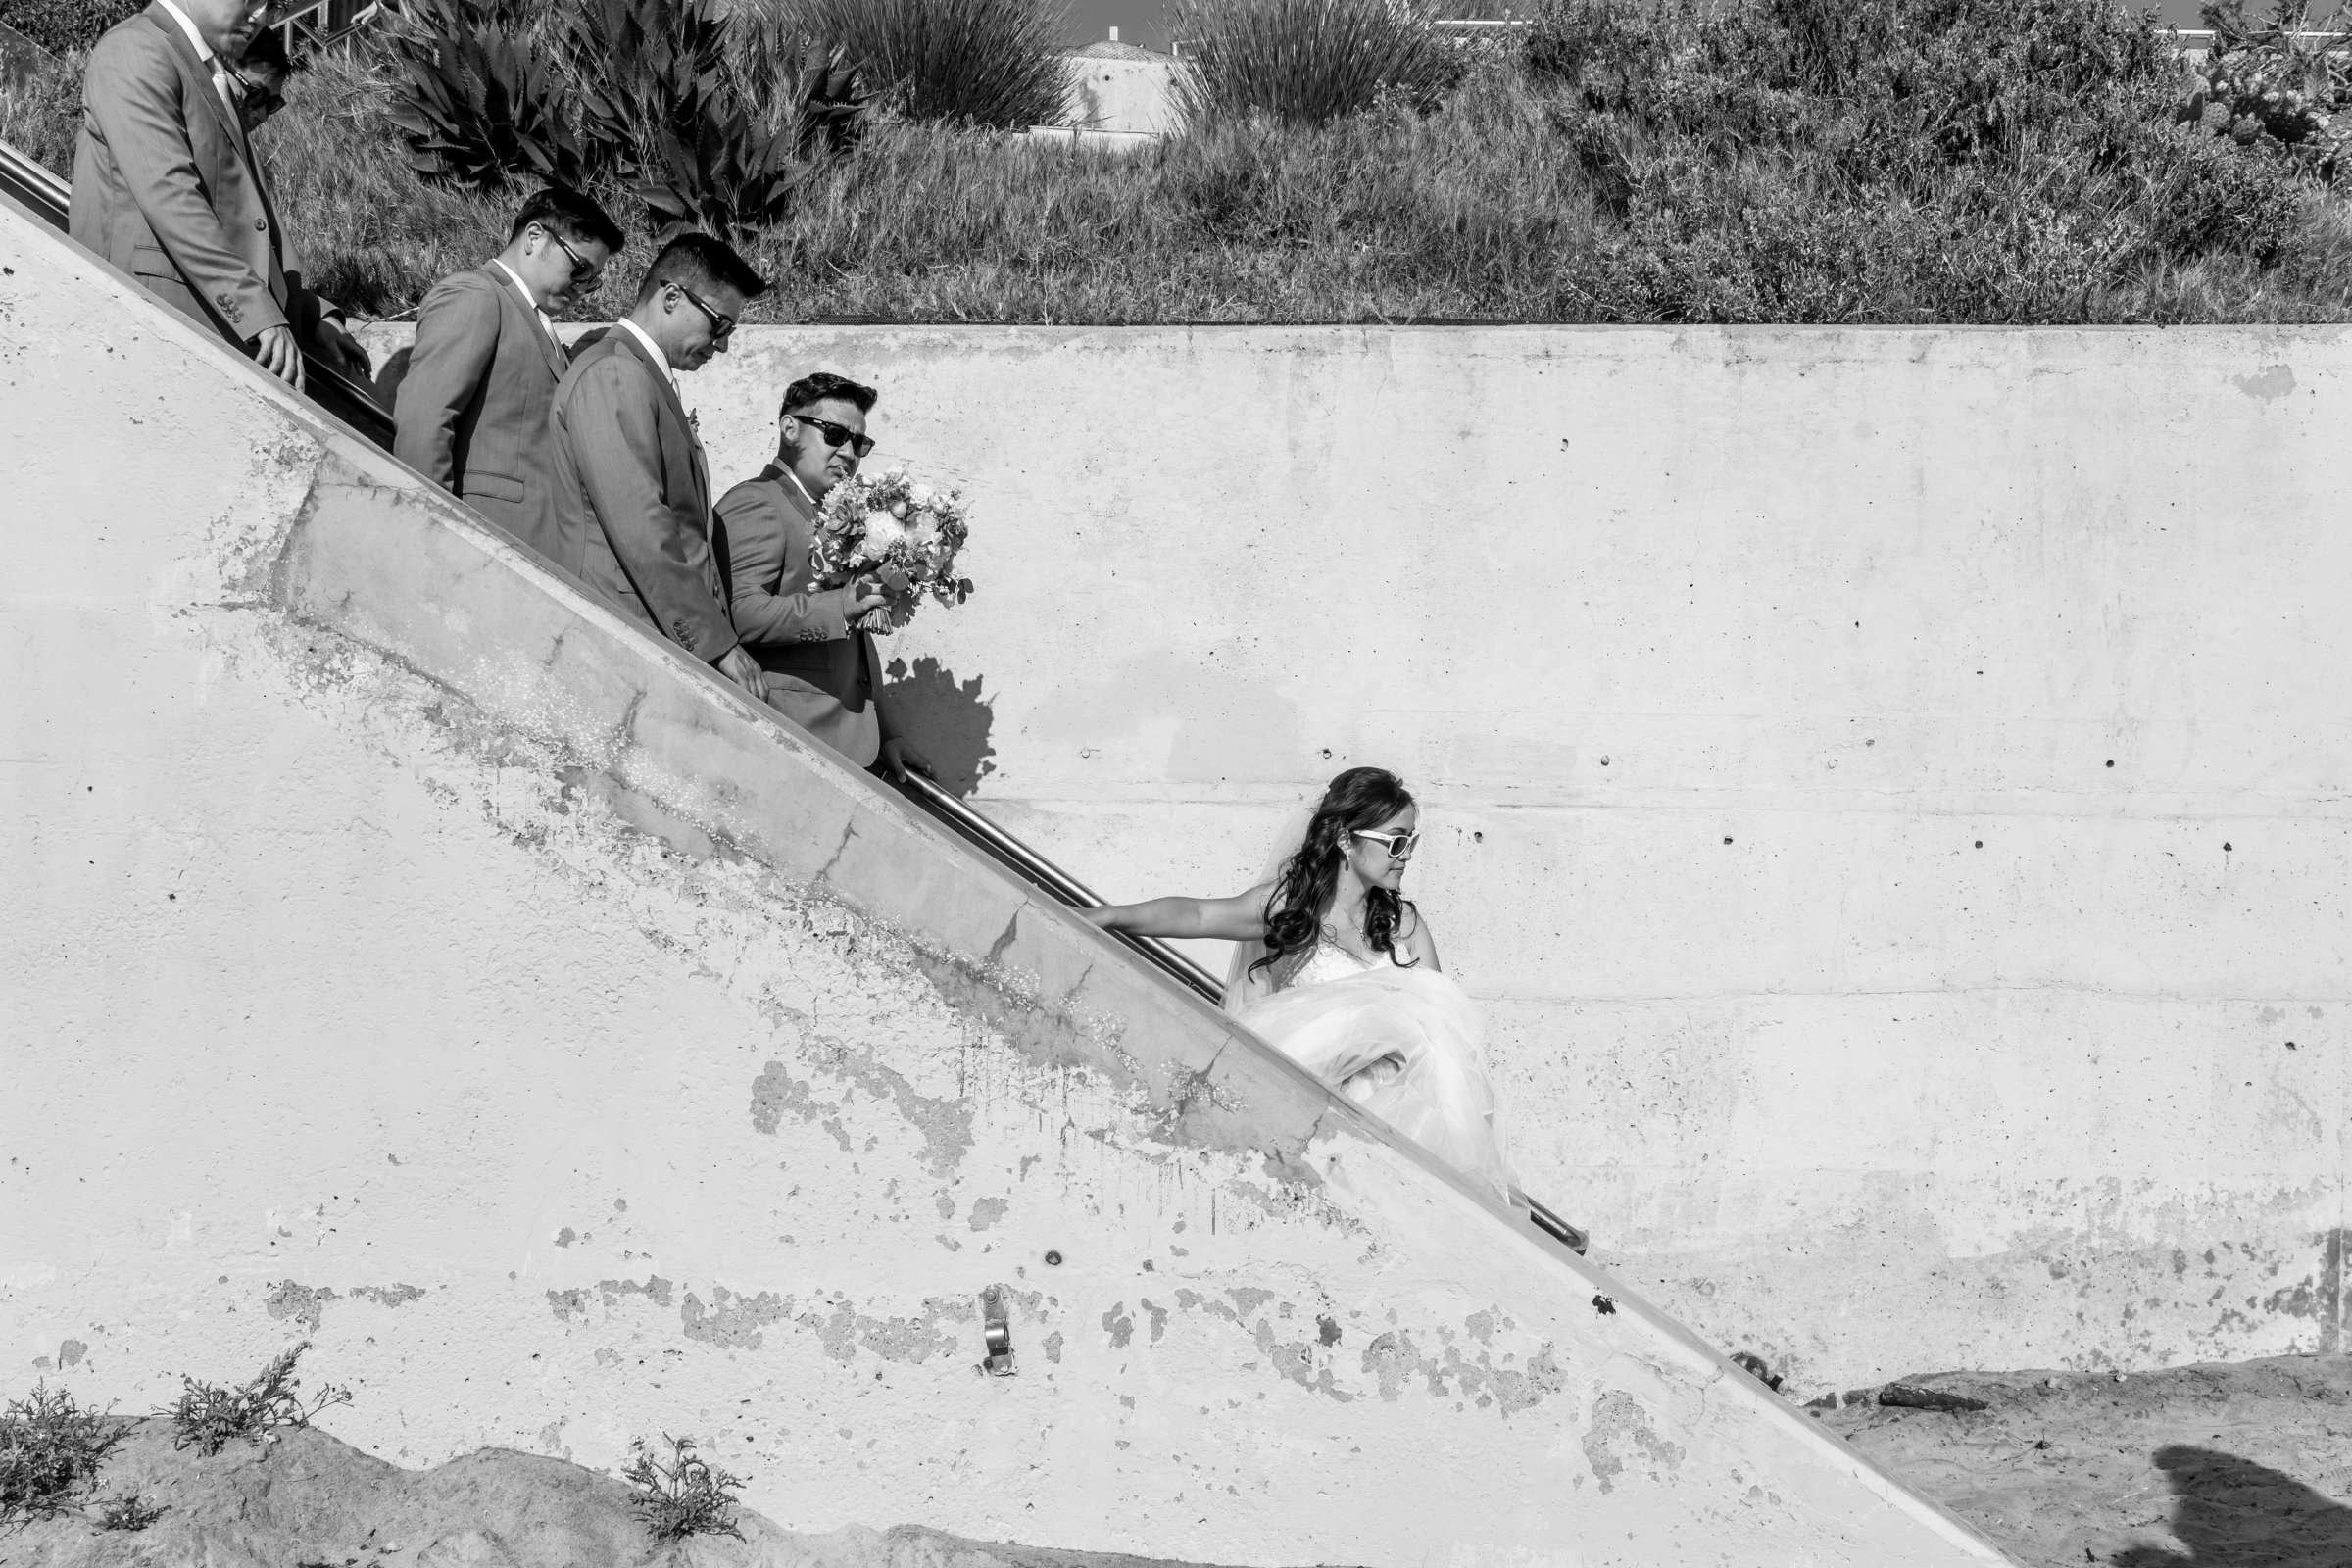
[(1400, 846)]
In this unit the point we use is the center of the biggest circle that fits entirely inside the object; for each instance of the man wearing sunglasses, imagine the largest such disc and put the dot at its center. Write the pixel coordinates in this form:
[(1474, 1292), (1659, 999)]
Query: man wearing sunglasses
[(470, 414), (822, 672), (633, 492), (168, 188)]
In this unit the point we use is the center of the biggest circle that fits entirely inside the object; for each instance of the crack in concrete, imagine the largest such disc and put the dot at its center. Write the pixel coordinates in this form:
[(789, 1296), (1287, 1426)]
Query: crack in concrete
[(848, 832)]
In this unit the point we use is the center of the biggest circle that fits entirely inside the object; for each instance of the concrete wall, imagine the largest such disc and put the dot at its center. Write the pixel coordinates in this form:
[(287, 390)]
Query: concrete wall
[(403, 954), (1889, 786)]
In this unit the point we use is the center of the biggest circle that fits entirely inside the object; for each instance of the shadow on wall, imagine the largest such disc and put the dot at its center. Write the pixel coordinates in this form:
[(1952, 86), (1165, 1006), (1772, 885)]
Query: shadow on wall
[(393, 372), (2233, 1513), (948, 721)]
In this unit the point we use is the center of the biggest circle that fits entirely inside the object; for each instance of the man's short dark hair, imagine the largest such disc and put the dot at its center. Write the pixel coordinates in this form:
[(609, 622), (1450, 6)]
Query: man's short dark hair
[(565, 211), (703, 264), (824, 387)]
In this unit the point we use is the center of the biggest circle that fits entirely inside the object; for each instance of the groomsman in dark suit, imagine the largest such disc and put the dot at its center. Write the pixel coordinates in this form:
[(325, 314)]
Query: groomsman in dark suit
[(635, 523), (165, 185), (471, 412), (822, 672)]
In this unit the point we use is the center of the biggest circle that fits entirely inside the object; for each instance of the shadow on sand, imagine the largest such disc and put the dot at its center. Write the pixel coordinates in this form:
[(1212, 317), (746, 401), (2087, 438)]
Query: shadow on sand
[(2233, 1513)]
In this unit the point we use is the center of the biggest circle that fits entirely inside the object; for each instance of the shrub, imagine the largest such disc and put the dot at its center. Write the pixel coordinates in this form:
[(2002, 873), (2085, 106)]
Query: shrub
[(1969, 159), (127, 1510), (990, 63), (686, 1496), (50, 1450), (209, 1417), (815, 89), (41, 114), (2276, 88), (726, 179), (1311, 60), (645, 71), (67, 27), (479, 105)]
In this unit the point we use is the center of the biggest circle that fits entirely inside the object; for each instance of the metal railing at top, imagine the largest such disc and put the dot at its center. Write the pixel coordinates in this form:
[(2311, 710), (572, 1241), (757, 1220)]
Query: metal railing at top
[(45, 193), (1035, 868)]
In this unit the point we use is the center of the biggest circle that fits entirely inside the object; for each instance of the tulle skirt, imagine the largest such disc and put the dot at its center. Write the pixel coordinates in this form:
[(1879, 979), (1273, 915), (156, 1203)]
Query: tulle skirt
[(1406, 1045)]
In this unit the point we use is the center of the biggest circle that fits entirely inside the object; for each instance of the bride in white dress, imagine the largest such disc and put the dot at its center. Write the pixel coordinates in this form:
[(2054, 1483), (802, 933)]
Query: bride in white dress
[(1339, 972)]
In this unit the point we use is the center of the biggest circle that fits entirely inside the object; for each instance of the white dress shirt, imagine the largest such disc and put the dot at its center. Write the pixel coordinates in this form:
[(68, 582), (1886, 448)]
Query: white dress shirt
[(211, 63), (654, 349)]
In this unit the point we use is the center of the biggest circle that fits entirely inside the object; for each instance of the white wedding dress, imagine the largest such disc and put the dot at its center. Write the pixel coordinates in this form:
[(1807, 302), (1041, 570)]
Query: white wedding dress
[(1405, 1044)]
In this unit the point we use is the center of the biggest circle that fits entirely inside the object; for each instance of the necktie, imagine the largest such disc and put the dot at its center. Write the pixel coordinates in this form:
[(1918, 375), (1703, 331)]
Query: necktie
[(225, 83)]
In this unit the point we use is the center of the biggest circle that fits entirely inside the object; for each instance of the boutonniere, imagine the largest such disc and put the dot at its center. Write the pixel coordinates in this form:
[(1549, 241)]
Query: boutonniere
[(694, 418)]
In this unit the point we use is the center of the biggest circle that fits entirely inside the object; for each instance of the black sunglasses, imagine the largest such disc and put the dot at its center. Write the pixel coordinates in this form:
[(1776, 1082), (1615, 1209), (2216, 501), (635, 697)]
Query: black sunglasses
[(722, 326), (838, 435), (583, 271)]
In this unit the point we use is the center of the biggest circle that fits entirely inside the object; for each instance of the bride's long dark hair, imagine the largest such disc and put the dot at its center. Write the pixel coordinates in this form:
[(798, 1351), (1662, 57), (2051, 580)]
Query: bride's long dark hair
[(1359, 800)]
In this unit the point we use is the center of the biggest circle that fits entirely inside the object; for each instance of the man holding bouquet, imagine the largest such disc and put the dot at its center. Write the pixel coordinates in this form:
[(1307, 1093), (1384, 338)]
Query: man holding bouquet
[(822, 672)]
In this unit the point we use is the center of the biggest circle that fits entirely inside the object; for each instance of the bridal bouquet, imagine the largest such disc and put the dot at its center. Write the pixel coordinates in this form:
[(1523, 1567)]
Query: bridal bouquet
[(904, 535)]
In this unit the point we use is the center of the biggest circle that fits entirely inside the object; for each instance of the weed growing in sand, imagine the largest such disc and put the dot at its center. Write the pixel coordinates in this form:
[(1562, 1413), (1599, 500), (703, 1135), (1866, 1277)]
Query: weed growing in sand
[(51, 1450), (127, 1510), (687, 1496), (210, 1417)]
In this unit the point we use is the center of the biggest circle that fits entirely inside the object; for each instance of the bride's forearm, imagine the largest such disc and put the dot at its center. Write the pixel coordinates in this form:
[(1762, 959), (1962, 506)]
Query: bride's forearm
[(1153, 918), (1236, 919)]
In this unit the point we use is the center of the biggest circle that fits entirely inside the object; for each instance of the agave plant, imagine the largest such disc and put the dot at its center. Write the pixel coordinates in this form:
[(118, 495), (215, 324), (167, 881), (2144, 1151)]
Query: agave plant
[(784, 77), (646, 69), (730, 175), (828, 103), (478, 106)]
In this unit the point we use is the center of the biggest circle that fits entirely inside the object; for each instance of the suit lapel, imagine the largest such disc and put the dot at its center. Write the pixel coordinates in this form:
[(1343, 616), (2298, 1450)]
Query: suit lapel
[(668, 392), (558, 360), (197, 77)]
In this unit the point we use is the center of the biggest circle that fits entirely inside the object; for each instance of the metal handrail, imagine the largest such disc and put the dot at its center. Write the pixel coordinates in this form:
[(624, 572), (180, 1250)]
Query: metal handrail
[(1034, 867), (48, 196)]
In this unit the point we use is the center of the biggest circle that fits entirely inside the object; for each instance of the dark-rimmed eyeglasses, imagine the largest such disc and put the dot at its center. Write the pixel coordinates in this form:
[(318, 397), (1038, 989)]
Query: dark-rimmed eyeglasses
[(583, 271), (722, 326), (838, 435), (1400, 846)]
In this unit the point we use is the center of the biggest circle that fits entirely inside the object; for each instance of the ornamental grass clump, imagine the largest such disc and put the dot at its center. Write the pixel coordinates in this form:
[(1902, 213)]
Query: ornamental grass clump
[(1310, 61), (992, 64)]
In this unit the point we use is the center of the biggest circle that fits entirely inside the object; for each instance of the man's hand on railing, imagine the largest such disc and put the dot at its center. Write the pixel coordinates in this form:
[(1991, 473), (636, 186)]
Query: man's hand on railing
[(898, 758), (276, 352), (341, 350), (739, 666)]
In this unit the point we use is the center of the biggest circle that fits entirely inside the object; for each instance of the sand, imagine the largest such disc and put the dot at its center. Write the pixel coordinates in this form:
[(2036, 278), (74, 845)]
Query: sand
[(2247, 1465)]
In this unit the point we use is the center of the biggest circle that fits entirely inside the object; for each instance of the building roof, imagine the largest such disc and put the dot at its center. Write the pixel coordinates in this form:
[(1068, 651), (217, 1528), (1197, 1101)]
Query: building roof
[(1106, 49)]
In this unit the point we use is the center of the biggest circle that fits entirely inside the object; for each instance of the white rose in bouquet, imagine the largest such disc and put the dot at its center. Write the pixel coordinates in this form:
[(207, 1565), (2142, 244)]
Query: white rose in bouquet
[(882, 530)]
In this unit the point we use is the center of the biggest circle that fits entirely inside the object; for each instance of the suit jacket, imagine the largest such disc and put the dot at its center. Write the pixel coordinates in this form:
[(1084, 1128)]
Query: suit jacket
[(821, 676), (471, 412), (164, 187), (634, 496)]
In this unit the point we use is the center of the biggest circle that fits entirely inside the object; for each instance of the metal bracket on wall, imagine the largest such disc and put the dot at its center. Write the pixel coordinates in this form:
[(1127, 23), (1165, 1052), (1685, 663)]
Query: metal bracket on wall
[(996, 1332)]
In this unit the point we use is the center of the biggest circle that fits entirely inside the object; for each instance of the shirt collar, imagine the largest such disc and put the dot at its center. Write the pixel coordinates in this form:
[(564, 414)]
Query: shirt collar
[(793, 479), (529, 297), (204, 51), (652, 348)]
